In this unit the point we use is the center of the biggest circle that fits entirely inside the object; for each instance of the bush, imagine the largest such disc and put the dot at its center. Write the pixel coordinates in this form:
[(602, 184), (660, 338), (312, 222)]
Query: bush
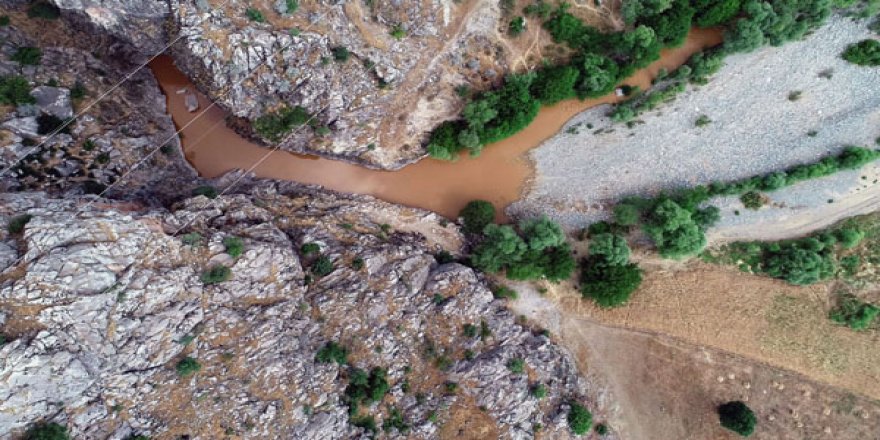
[(674, 231), (216, 274), (601, 429), (207, 191), (395, 421), (46, 431), (516, 26), (332, 352), (542, 233), (500, 248), (187, 366), (752, 200), (579, 419), (4, 20), (516, 366), (397, 32), (854, 314), (340, 54), (234, 246), (800, 263), (608, 285), (737, 417), (863, 53), (626, 214), (850, 237), (254, 14), (292, 6), (322, 266), (44, 10), (599, 75), (554, 84), (28, 56), (365, 388), (539, 391), (504, 292), (15, 90), (309, 248), (274, 125), (366, 422), (16, 224), (477, 214)]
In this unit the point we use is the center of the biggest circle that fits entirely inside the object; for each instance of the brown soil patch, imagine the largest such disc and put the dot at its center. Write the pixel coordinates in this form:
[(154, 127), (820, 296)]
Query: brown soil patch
[(467, 422)]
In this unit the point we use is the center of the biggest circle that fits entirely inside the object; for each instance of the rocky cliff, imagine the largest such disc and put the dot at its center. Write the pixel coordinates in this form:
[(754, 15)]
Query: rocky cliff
[(100, 300), (377, 76)]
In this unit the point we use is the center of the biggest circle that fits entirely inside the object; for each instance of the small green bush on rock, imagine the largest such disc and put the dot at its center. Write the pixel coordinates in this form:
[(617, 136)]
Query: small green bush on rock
[(216, 274), (579, 419), (187, 366)]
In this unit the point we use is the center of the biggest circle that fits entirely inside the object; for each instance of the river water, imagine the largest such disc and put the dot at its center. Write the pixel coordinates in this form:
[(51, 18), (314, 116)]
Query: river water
[(500, 174)]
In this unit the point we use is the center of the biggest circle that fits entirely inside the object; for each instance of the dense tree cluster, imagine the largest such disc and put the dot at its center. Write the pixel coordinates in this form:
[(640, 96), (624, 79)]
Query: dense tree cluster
[(365, 388), (536, 250), (607, 276), (476, 215)]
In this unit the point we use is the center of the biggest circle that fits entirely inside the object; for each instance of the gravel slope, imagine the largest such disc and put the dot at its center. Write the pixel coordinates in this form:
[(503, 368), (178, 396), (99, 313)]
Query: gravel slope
[(755, 128)]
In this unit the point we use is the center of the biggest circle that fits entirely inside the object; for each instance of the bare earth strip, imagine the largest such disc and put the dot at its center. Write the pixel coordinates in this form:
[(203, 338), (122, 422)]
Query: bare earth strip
[(755, 129)]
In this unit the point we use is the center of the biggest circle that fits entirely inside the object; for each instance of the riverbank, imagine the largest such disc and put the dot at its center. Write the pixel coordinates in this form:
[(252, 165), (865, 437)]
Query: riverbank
[(499, 174), (770, 109)]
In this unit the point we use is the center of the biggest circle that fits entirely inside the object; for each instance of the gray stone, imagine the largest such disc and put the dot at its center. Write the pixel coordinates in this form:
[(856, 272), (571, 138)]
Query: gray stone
[(54, 101)]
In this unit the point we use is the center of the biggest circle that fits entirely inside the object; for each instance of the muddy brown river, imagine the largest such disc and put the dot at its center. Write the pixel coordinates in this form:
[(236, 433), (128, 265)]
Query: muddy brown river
[(500, 174)]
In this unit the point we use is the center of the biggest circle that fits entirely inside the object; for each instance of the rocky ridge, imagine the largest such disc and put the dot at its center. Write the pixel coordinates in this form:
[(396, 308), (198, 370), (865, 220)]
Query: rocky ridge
[(106, 301)]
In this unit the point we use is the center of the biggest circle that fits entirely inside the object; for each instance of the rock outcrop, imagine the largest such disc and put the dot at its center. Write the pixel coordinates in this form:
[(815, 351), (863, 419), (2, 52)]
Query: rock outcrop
[(376, 76), (100, 300)]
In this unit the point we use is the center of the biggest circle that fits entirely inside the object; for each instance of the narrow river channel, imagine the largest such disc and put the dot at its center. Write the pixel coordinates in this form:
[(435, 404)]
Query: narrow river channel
[(499, 174)]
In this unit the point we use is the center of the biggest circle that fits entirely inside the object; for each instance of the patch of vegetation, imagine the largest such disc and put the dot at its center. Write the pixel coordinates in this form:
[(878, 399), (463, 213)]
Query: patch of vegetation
[(15, 90), (580, 420), (187, 366), (44, 10), (538, 391), (601, 429), (234, 246), (4, 20), (396, 421), (737, 417), (78, 91), (292, 6), (254, 14), (216, 274), (332, 352), (504, 292), (366, 422), (863, 53), (16, 224), (853, 313), (322, 266), (476, 215), (340, 54), (398, 32), (309, 248), (516, 366), (274, 125), (27, 56), (516, 26), (752, 200), (365, 388), (46, 431)]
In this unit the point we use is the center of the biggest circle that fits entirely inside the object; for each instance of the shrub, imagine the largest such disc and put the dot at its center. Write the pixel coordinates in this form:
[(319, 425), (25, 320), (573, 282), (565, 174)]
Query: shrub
[(395, 421), (216, 274), (234, 246), (554, 84), (608, 285), (674, 231), (800, 263), (737, 417), (542, 233), (187, 366), (274, 125), (50, 124), (504, 292), (539, 391), (366, 422), (44, 10), (601, 429), (863, 53), (78, 91), (579, 419), (309, 248), (292, 6), (322, 266), (398, 32), (516, 26), (853, 313), (469, 330), (15, 90), (626, 214), (29, 56), (340, 54), (207, 191), (516, 366), (476, 215), (4, 20), (752, 200), (702, 121), (254, 14), (363, 387), (16, 224), (501, 247), (46, 431), (332, 352), (850, 237)]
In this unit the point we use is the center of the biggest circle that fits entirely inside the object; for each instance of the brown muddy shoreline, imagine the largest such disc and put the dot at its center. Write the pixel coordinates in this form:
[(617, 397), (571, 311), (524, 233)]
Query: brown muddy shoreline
[(500, 174)]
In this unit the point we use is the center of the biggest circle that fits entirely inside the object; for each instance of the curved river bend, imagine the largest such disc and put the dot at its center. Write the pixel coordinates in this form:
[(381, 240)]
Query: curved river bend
[(498, 175)]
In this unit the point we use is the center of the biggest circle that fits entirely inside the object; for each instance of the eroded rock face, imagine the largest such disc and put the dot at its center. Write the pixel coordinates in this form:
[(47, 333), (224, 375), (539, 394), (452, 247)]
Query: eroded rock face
[(377, 76), (105, 301)]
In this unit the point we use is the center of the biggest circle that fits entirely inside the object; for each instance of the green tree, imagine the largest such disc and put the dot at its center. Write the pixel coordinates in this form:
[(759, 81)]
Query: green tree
[(554, 84), (15, 90), (674, 231), (542, 233), (579, 419), (672, 25), (714, 12), (853, 313), (626, 214), (608, 285), (611, 248), (737, 417), (598, 76), (800, 263), (476, 215), (332, 352), (501, 247)]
